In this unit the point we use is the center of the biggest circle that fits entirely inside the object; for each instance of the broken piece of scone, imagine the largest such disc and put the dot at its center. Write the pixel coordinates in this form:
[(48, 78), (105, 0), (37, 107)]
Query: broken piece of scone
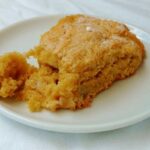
[(78, 58), (14, 71)]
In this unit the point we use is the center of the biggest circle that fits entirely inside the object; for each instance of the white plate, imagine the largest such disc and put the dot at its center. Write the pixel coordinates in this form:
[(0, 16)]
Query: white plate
[(123, 104)]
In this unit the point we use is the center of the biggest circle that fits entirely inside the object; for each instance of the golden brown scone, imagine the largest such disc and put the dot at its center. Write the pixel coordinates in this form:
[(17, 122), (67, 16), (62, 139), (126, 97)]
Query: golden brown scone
[(14, 70), (87, 55)]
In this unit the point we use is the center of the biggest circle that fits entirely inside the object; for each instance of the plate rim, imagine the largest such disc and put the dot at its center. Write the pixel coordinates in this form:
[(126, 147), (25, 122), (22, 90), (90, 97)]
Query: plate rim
[(65, 128)]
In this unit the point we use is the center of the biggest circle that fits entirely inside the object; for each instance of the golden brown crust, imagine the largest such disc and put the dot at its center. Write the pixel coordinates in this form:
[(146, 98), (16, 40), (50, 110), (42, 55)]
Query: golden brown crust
[(68, 40)]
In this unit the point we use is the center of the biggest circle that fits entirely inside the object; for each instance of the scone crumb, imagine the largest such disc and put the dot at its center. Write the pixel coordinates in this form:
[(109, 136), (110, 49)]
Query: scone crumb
[(88, 28)]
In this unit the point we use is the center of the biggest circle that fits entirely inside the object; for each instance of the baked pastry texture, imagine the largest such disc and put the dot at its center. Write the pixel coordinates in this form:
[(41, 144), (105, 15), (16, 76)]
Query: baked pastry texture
[(14, 71), (79, 57)]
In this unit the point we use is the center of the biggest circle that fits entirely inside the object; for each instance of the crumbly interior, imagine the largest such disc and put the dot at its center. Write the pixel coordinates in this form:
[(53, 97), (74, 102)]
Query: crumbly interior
[(78, 58), (44, 90), (14, 71)]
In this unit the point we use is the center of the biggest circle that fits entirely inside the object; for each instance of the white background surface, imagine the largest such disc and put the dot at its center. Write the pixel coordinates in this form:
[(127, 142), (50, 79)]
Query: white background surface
[(14, 136)]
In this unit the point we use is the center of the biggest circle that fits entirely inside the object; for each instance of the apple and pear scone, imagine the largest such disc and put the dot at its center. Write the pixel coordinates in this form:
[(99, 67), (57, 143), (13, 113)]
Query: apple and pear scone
[(79, 57)]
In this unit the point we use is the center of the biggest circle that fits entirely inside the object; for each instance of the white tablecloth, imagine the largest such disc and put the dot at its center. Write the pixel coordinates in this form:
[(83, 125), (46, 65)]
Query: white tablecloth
[(15, 136)]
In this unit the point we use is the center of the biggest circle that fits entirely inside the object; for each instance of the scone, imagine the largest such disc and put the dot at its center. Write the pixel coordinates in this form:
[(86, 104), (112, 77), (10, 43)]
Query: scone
[(79, 57), (14, 70)]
